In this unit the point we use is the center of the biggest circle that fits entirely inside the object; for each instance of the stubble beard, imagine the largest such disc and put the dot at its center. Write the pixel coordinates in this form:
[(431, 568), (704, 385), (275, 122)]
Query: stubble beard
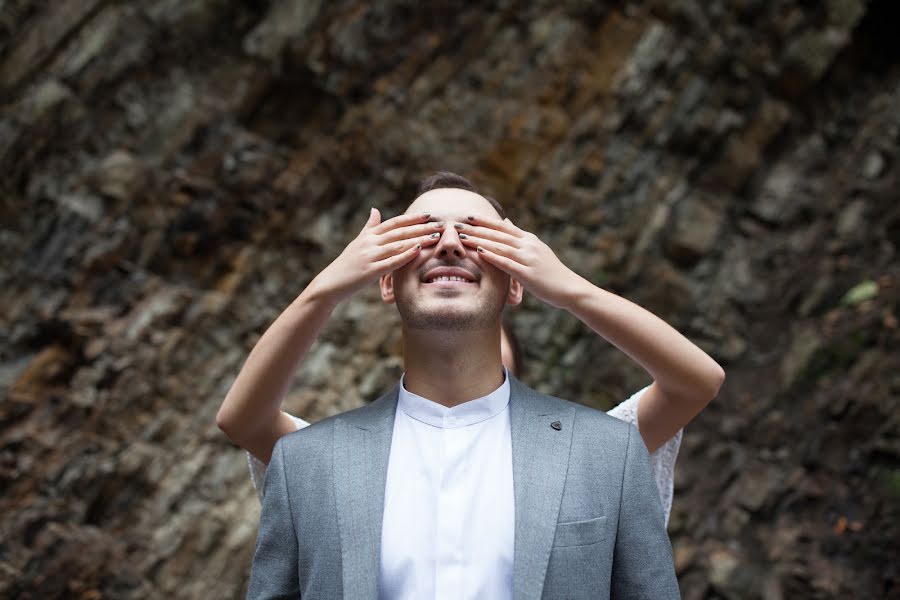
[(482, 314)]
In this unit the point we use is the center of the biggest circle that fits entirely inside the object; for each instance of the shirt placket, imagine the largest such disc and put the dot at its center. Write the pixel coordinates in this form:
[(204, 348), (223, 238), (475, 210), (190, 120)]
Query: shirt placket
[(450, 514)]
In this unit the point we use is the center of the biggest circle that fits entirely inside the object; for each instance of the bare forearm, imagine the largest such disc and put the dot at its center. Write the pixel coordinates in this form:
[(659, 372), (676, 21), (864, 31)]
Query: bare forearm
[(250, 413), (677, 365)]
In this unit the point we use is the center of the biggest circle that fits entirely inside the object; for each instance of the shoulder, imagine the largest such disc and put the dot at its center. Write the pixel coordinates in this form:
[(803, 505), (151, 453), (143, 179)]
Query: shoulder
[(598, 439), (314, 435), (608, 429), (590, 414), (319, 436), (587, 420)]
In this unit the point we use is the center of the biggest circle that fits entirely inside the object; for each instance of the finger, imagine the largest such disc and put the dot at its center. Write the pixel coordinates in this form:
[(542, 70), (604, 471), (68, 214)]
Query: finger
[(408, 231), (507, 265), (498, 224), (500, 248), (401, 220), (374, 218), (394, 262), (489, 234), (400, 246)]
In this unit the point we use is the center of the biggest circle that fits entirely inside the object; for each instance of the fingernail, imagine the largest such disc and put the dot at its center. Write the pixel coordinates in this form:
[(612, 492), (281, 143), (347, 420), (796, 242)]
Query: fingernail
[(480, 249), (471, 218), (458, 225), (426, 215), (436, 234), (439, 224), (463, 236), (418, 246)]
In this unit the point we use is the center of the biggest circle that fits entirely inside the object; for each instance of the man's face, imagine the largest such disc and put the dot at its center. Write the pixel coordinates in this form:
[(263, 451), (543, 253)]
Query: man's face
[(426, 302)]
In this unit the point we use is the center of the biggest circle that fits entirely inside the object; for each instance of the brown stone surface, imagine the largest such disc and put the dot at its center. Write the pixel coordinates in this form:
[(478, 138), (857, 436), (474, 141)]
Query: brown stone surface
[(175, 172)]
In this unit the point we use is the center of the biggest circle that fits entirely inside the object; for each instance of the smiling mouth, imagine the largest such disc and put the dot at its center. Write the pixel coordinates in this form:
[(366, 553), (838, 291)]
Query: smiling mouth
[(449, 282)]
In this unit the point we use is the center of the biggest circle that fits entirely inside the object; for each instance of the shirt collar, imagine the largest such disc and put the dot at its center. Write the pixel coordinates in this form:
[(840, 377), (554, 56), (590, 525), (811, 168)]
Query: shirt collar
[(468, 413)]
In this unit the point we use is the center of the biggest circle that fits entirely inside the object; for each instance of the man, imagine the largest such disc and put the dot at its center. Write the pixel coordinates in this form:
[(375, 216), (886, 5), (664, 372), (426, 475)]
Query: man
[(461, 481)]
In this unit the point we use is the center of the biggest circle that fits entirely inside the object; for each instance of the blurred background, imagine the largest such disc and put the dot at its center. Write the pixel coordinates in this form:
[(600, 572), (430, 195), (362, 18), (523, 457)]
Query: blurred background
[(175, 172)]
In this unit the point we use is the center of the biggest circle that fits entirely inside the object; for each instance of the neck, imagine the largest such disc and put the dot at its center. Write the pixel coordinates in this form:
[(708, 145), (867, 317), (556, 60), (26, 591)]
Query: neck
[(452, 367)]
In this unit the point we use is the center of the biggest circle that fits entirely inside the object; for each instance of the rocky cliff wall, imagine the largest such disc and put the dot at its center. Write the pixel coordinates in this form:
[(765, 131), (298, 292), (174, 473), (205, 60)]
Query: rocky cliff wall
[(174, 173)]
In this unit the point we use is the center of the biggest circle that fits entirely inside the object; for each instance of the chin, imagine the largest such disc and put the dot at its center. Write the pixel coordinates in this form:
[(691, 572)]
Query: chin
[(441, 321), (446, 318)]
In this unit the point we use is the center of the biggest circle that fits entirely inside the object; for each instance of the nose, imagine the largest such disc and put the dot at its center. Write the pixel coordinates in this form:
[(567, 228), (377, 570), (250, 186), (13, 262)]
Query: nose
[(449, 244)]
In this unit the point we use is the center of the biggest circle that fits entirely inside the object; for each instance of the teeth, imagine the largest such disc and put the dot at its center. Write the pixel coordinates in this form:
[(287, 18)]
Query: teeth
[(445, 278)]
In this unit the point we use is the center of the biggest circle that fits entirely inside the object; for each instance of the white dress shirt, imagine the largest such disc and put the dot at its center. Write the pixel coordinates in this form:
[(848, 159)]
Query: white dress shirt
[(449, 518)]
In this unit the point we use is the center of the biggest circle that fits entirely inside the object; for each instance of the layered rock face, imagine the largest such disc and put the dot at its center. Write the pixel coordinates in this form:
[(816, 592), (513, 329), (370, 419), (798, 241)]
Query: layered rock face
[(174, 173)]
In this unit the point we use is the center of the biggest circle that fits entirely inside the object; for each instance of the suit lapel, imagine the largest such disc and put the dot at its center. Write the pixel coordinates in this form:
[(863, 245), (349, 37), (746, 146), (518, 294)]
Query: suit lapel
[(362, 446), (540, 455)]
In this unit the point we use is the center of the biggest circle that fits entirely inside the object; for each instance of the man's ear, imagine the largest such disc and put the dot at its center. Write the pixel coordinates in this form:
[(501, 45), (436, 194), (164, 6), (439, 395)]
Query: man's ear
[(386, 283), (515, 293)]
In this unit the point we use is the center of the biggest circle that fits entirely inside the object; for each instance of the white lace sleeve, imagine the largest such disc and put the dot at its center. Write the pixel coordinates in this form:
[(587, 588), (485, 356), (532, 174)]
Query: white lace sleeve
[(258, 467), (663, 459)]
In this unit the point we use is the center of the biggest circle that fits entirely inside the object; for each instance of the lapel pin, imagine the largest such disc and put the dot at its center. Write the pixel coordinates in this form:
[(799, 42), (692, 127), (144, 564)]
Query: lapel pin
[(556, 425)]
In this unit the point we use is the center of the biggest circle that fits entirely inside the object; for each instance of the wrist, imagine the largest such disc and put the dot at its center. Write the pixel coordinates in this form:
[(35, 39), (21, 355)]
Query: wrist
[(575, 293), (320, 294)]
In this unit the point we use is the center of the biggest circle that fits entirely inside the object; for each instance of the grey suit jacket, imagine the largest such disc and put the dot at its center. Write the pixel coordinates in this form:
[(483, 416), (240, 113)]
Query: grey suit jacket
[(588, 519)]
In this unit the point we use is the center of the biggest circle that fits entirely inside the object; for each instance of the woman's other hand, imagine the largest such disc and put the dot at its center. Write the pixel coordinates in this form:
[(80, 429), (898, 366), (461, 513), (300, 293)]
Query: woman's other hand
[(523, 256)]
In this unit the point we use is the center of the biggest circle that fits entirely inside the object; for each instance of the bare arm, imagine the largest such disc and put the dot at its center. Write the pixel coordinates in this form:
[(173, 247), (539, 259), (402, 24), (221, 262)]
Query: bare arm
[(251, 412), (686, 379)]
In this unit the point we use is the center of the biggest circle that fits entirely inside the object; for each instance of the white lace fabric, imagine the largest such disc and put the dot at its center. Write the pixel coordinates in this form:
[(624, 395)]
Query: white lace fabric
[(662, 460)]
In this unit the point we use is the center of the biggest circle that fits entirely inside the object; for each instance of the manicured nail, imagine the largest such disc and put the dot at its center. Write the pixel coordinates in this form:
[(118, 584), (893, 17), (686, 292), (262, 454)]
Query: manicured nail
[(458, 225), (480, 249), (435, 235), (426, 215), (418, 246), (439, 225), (471, 218), (463, 236)]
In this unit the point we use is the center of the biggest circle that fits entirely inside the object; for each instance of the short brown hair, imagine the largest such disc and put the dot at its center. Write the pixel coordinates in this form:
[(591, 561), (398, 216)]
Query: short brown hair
[(446, 179)]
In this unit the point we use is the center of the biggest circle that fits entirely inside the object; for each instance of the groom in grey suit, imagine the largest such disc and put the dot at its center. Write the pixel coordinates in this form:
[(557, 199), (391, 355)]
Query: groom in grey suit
[(588, 522)]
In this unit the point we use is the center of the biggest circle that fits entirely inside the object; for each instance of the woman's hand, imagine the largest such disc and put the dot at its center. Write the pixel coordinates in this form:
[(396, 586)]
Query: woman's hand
[(379, 249), (523, 256)]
